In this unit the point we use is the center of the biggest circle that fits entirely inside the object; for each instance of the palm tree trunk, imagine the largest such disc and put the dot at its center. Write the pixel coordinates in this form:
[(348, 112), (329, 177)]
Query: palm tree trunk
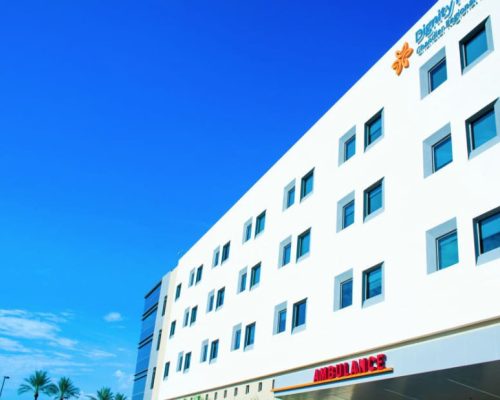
[(36, 395)]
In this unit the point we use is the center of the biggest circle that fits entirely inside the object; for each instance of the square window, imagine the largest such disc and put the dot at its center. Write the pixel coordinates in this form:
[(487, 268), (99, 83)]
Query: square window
[(255, 276), (343, 286), (447, 250), (346, 293), (214, 350), (374, 199), (220, 298), (225, 252), (247, 230), (347, 146), (307, 183), (438, 75), (487, 232), (303, 244), (204, 351), (199, 274), (178, 291), (442, 153), (210, 301), (374, 129), (249, 336), (373, 285), (242, 280), (260, 223), (476, 45), (299, 315), (289, 195), (482, 129)]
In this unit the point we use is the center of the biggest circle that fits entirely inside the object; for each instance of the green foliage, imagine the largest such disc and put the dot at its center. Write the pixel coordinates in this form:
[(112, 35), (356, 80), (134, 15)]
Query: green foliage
[(66, 389), (120, 396), (38, 383), (104, 393)]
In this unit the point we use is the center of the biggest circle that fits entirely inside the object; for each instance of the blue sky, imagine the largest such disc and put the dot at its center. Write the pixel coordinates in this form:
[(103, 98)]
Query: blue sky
[(127, 128)]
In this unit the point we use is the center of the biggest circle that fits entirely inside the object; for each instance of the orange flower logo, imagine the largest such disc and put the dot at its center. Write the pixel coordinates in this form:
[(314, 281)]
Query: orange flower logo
[(402, 57)]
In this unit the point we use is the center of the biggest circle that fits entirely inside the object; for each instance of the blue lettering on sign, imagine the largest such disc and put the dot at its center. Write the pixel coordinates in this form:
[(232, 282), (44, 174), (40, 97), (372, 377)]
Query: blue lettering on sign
[(446, 17)]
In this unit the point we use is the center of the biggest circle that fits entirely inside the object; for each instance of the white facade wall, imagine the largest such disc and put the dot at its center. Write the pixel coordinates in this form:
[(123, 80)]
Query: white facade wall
[(415, 302)]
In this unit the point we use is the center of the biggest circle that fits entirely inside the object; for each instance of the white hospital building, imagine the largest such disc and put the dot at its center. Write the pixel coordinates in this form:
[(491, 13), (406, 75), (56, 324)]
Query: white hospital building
[(365, 264)]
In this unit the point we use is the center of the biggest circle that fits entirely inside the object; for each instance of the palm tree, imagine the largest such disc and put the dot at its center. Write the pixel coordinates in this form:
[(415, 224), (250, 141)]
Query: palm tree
[(120, 396), (37, 383), (104, 394), (65, 389)]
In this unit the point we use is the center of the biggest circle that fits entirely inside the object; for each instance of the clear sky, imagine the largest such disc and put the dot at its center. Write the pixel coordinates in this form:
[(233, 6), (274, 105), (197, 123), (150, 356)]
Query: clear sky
[(127, 128)]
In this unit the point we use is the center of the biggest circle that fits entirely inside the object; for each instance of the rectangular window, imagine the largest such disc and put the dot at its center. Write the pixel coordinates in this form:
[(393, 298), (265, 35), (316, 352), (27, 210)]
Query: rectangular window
[(172, 328), (204, 351), (438, 75), (350, 148), (242, 280), (372, 285), (476, 45), (255, 276), (153, 376), (158, 343), (482, 129), (214, 350), (178, 291), (348, 215), (260, 223), (164, 308), (216, 256), (199, 274), (346, 293), (247, 230), (249, 336), (236, 342), (186, 317), (438, 150), (210, 301), (180, 359), (247, 389), (343, 290), (299, 314), (225, 252), (374, 129), (194, 312), (303, 244), (187, 362), (487, 230), (166, 370), (447, 250), (307, 184), (220, 298), (287, 252), (347, 145), (442, 154), (290, 197), (191, 278), (374, 198), (281, 321)]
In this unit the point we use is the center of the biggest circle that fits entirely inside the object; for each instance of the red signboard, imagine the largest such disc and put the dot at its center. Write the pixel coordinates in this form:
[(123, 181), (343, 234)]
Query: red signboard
[(359, 367)]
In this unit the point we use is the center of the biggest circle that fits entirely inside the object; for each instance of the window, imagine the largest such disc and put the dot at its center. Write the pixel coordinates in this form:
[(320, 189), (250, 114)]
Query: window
[(210, 301), (215, 260), (191, 278), (242, 280), (247, 389), (374, 199), (345, 212), (236, 342), (441, 243), (260, 387), (214, 350), (476, 45), (247, 230), (187, 362), (374, 130), (225, 252), (373, 285), (487, 233), (166, 370), (343, 290), (172, 328), (249, 336), (299, 315), (235, 391), (438, 151), (347, 146), (164, 308), (220, 298), (194, 312), (280, 318), (199, 274), (204, 351), (178, 291), (260, 223), (159, 341), (482, 129), (307, 183), (225, 393), (153, 376), (180, 359), (255, 276), (186, 317), (285, 253), (303, 244), (433, 73), (346, 293), (289, 195)]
